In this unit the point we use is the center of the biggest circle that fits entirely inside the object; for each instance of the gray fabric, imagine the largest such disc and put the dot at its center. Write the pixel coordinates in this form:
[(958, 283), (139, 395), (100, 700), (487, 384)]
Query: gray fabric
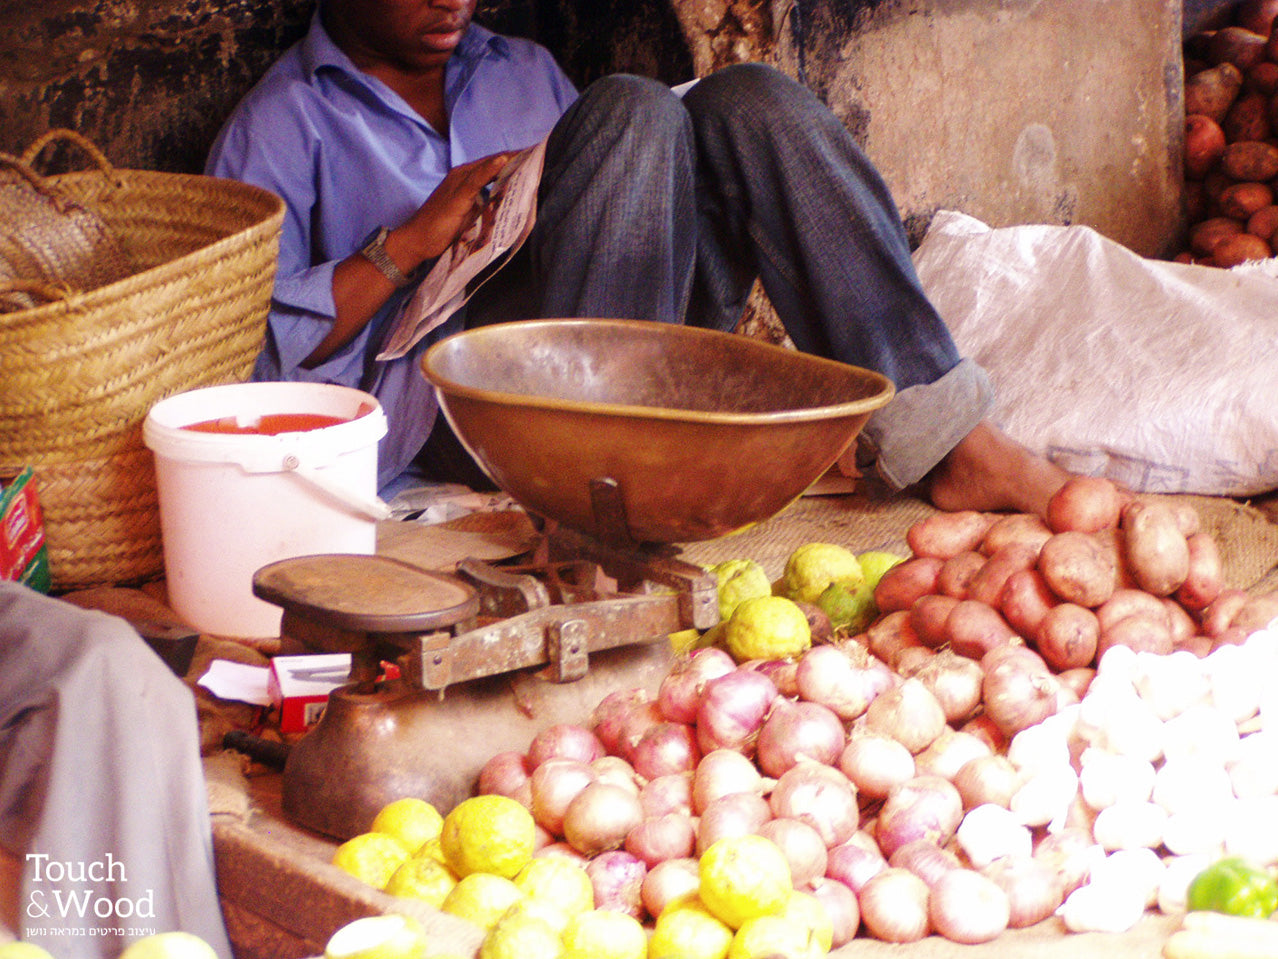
[(923, 423), (101, 785)]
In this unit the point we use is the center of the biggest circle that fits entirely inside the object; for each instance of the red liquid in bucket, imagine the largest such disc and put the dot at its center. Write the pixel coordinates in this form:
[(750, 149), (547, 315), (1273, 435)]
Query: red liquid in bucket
[(269, 424)]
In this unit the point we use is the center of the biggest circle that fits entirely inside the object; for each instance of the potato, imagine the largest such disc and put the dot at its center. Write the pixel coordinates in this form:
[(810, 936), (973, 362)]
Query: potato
[(1025, 601), (1248, 118), (1241, 200), (1085, 504), (1205, 579), (1256, 15), (1156, 550), (903, 584), (975, 628), (1015, 528), (1257, 613), (1111, 540), (1264, 222), (987, 585), (1078, 568), (928, 618), (1068, 636), (1220, 612), (1262, 78), (945, 535), (1204, 145), (1141, 633), (1249, 161), (1129, 602), (1206, 235), (890, 635), (1242, 248), (1183, 626), (1238, 46), (1212, 92), (956, 575)]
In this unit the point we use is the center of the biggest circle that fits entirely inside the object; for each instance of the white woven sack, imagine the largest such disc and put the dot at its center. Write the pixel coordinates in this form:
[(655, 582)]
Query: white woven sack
[(1162, 376)]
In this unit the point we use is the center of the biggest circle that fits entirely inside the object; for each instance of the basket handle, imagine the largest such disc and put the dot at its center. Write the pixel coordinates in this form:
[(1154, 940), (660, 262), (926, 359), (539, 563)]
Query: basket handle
[(36, 288), (84, 143)]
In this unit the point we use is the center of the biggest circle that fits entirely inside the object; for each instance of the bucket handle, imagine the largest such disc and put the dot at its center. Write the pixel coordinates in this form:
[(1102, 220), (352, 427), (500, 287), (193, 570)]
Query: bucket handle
[(373, 507)]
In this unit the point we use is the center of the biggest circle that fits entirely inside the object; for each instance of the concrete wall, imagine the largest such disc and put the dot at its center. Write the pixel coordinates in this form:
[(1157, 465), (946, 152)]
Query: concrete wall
[(1060, 111)]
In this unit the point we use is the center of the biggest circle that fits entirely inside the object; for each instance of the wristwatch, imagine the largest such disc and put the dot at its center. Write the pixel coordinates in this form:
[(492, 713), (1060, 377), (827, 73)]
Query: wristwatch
[(373, 249)]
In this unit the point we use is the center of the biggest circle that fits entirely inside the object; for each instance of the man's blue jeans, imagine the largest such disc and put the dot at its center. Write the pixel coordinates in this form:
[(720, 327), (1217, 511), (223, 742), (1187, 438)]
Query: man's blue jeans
[(660, 207)]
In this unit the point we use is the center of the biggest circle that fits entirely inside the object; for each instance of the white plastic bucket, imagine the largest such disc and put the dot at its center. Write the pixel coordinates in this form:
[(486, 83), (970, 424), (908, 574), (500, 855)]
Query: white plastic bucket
[(230, 503)]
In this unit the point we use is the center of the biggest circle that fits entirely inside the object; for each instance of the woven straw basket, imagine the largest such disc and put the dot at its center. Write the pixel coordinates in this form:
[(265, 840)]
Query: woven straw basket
[(81, 368)]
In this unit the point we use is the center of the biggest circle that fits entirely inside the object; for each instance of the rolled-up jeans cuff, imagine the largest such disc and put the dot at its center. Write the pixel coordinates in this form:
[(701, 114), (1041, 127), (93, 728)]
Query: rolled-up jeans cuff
[(921, 424)]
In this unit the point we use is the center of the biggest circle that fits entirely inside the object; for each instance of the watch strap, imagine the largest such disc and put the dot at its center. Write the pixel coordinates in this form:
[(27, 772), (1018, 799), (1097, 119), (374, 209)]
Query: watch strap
[(374, 250)]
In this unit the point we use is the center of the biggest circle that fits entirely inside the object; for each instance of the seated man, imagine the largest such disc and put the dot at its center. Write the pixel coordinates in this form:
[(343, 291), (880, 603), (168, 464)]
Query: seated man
[(382, 127), (102, 796)]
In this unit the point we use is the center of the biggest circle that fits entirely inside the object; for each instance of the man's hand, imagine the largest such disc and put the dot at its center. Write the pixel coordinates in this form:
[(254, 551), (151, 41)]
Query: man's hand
[(451, 208)]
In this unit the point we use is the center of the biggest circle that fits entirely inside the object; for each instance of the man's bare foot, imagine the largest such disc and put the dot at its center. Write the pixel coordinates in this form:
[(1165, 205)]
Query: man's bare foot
[(989, 471)]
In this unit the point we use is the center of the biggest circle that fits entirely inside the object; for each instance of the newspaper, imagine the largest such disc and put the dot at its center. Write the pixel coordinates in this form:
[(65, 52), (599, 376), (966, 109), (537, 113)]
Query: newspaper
[(503, 221)]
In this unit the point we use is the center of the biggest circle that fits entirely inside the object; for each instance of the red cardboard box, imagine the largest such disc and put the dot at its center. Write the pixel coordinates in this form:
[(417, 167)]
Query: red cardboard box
[(299, 686)]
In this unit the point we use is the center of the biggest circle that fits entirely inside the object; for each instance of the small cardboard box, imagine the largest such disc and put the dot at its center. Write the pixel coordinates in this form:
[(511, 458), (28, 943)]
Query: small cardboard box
[(299, 686)]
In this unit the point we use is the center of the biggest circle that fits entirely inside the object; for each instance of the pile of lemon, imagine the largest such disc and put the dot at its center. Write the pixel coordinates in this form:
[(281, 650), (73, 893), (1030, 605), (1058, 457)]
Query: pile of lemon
[(478, 863)]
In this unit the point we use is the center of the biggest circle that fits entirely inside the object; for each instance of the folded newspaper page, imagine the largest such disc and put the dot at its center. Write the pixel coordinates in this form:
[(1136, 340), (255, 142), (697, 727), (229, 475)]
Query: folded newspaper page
[(503, 223)]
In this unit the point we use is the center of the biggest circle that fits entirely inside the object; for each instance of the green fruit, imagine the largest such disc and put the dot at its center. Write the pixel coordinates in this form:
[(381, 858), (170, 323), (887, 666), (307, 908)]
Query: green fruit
[(814, 566), (875, 563), (739, 579), (851, 610), (1235, 887)]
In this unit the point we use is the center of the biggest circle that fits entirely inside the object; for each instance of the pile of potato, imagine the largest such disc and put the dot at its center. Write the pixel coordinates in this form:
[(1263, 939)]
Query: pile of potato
[(1231, 147)]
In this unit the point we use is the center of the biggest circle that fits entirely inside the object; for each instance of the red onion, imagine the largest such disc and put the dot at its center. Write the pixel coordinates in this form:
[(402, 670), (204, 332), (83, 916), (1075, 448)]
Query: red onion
[(739, 814), (798, 730), (822, 797), (826, 675), (949, 753), (607, 719), (802, 845), (600, 817), (875, 763), (894, 906), (968, 907), (507, 774), (1034, 889), (564, 741), (634, 725), (1018, 693), (722, 772), (955, 681), (1070, 853), (926, 807), (925, 859), (665, 749), (615, 770), (680, 692), (555, 784), (987, 779), (782, 672), (669, 880), (983, 727), (658, 838), (667, 794), (617, 878), (732, 709), (854, 862), (842, 909), (909, 713)]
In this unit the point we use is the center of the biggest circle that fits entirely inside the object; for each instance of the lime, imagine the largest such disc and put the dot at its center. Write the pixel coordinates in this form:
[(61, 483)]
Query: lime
[(493, 834), (604, 934), (482, 898), (371, 857), (521, 936), (814, 566), (743, 877), (850, 609), (739, 579), (876, 562), (412, 821), (422, 878), (168, 945), (378, 937), (559, 881), (767, 627), (686, 929), (766, 936)]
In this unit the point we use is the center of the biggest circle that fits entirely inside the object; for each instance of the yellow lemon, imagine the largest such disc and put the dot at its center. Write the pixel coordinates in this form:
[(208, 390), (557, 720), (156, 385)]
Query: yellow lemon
[(551, 914), (767, 627), (558, 881), (432, 849), (423, 878), (874, 563), (493, 834), (412, 821), (686, 929), (814, 566), (371, 857), (738, 579), (807, 910), (603, 934), (168, 945), (766, 936), (521, 937), (743, 877), (481, 898), (378, 937)]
